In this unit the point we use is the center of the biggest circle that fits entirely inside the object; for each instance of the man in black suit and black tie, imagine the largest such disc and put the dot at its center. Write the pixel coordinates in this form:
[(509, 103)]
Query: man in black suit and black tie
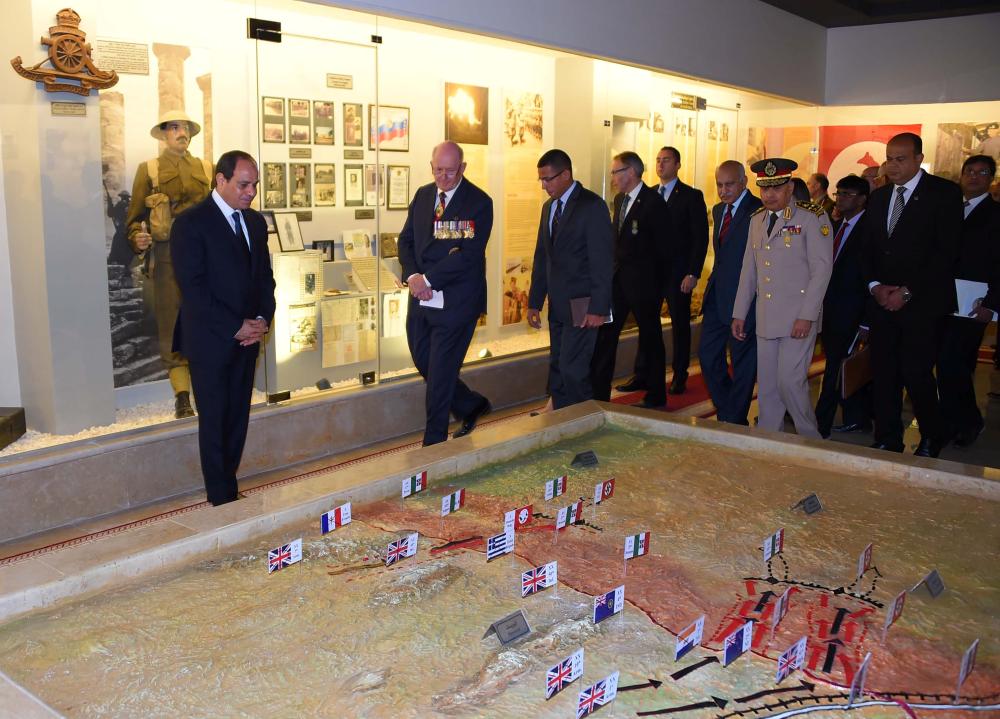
[(685, 256), (642, 230), (978, 261), (219, 251), (910, 231), (843, 311), (730, 395), (442, 249), (574, 257)]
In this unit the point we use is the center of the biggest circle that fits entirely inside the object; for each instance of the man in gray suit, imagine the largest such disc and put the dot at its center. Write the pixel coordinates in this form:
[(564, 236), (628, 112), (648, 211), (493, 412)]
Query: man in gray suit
[(573, 261), (786, 266)]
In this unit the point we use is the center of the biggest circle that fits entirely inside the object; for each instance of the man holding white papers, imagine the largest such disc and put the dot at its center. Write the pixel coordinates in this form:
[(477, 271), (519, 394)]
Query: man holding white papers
[(442, 250), (978, 268)]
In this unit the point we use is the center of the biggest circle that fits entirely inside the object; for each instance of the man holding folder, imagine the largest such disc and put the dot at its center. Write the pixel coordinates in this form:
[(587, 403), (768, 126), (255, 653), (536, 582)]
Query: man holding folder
[(572, 268)]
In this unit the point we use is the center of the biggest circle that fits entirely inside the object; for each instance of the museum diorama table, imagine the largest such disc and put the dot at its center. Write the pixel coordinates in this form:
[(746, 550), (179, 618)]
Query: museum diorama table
[(340, 634)]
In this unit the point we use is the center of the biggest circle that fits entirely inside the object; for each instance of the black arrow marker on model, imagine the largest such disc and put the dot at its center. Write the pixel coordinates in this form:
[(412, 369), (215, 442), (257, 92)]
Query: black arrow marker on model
[(651, 683), (764, 599), (750, 697), (716, 702), (680, 673)]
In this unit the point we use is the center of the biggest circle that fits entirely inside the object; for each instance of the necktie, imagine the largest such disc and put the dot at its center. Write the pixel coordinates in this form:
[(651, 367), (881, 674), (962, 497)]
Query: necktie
[(770, 224), (555, 219), (623, 211), (238, 228), (839, 238), (726, 219), (663, 192), (897, 209), (966, 206), (439, 208)]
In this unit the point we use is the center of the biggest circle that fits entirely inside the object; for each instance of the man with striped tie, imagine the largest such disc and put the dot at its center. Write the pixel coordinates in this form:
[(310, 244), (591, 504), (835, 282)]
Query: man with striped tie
[(911, 229), (442, 249)]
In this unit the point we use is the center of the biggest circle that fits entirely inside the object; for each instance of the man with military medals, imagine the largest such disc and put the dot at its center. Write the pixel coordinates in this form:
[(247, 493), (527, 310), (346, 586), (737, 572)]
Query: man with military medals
[(787, 266), (442, 250)]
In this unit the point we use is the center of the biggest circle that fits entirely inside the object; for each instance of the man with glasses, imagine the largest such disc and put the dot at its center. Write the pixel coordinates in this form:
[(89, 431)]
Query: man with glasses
[(910, 231), (843, 310), (442, 249), (979, 261), (572, 266), (641, 235)]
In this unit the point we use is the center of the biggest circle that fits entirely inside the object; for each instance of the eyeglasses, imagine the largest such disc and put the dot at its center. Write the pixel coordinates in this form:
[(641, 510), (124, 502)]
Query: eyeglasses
[(620, 170), (972, 173), (441, 171), (550, 178)]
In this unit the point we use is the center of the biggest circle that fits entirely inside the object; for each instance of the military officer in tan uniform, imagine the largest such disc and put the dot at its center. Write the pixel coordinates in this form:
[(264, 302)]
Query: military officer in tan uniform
[(787, 265), (163, 188)]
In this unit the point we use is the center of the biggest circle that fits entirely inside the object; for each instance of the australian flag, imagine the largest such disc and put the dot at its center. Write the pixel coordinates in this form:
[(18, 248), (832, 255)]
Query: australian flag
[(609, 604), (737, 643), (597, 695), (564, 673)]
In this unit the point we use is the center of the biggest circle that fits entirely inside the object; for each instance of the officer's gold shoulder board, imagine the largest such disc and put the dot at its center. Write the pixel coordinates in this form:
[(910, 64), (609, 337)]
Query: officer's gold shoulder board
[(758, 211), (812, 207)]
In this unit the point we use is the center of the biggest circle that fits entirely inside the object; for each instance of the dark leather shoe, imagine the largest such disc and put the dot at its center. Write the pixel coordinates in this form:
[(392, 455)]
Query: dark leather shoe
[(852, 427), (469, 423), (633, 385), (887, 447), (967, 437), (677, 386), (646, 404), (928, 448), (182, 405)]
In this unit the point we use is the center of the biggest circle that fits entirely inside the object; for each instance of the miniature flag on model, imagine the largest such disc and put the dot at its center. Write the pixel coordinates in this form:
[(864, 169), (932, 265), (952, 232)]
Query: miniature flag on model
[(499, 545), (858, 684), (401, 549), (781, 608), (636, 545), (517, 518), (286, 554), (539, 578), (791, 659), (335, 518), (774, 544), (453, 502), (597, 695), (562, 674), (414, 484), (609, 604), (569, 515), (865, 560), (555, 487), (895, 610), (689, 638), (604, 490), (968, 664), (737, 643)]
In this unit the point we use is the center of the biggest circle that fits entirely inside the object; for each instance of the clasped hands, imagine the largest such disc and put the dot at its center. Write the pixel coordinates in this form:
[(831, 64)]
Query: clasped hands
[(889, 297), (419, 287), (251, 332)]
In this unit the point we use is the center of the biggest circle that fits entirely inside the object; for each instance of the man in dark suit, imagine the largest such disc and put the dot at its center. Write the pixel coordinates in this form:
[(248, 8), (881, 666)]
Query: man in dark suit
[(910, 231), (730, 395), (685, 258), (442, 249), (574, 257), (978, 261), (843, 311), (641, 230), (219, 251)]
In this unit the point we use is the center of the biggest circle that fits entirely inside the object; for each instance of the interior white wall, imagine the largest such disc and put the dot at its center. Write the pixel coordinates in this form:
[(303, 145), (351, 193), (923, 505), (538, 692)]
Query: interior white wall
[(10, 383), (949, 60), (711, 39)]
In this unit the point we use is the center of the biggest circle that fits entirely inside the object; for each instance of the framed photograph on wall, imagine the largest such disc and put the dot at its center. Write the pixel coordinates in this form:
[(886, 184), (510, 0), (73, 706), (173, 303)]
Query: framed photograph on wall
[(273, 119), (354, 185), (299, 122), (390, 130), (289, 232), (268, 216), (466, 114), (323, 123), (398, 187), (300, 184), (354, 124), (374, 178), (325, 184), (275, 186)]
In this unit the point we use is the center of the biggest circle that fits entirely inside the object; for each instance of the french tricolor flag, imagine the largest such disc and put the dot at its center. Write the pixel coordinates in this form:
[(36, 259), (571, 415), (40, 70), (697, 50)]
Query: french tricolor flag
[(336, 518)]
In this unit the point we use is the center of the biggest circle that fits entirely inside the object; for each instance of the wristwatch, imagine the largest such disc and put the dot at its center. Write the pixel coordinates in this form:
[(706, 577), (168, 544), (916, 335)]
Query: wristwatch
[(907, 295)]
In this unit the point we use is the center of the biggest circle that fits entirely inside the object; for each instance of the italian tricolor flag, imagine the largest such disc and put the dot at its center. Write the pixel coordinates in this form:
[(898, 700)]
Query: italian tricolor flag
[(453, 502), (414, 484), (636, 545)]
